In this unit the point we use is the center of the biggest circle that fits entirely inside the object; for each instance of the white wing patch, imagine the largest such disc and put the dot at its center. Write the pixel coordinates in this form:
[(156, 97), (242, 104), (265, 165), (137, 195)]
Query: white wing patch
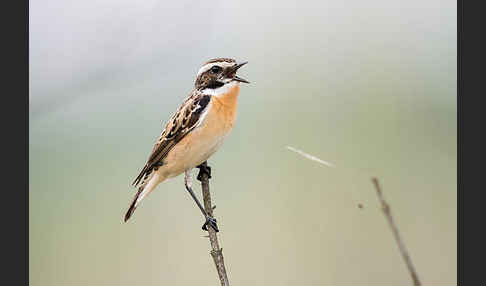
[(203, 115)]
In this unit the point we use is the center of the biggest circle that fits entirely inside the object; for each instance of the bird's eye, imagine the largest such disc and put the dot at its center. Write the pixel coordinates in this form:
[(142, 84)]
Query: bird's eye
[(215, 69)]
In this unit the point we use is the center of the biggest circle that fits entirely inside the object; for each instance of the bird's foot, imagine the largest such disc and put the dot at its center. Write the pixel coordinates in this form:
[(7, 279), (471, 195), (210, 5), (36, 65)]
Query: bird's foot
[(204, 169), (211, 221)]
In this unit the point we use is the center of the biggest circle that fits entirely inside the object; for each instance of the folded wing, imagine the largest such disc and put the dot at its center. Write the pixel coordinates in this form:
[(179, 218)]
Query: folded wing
[(188, 116)]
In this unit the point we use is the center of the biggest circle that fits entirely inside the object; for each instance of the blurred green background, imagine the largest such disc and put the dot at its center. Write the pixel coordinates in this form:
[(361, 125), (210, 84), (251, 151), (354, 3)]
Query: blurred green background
[(367, 85)]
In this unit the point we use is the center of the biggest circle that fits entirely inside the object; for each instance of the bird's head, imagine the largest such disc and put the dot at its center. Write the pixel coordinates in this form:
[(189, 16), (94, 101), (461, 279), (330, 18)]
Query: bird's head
[(218, 72)]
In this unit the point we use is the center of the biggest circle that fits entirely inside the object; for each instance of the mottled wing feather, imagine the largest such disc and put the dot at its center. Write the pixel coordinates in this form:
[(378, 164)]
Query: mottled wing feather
[(187, 117)]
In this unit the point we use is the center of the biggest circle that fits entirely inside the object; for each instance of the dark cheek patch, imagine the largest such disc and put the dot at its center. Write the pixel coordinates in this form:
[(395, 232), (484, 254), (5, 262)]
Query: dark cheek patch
[(215, 84)]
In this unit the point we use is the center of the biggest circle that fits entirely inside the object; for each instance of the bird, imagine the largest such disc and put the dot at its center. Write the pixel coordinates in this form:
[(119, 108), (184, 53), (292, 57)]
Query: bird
[(194, 132)]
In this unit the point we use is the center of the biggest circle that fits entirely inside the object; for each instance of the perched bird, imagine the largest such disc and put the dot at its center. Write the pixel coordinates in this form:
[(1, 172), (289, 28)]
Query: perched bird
[(194, 132)]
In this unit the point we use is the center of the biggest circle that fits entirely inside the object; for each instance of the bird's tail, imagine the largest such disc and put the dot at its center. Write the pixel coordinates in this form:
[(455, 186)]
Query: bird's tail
[(142, 192), (133, 205)]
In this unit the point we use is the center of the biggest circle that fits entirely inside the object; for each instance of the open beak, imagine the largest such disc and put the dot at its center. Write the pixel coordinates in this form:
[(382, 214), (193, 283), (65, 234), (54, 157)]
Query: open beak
[(237, 78)]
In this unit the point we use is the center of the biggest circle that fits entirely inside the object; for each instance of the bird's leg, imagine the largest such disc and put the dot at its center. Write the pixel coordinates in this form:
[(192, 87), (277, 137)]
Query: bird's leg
[(188, 183), (209, 219)]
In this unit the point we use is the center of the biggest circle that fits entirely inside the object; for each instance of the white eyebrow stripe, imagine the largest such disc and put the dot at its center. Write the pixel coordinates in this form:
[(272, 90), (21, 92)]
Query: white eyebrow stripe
[(207, 67)]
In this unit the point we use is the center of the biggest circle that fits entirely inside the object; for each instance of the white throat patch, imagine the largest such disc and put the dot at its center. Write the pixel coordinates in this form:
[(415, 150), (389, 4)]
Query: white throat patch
[(220, 90)]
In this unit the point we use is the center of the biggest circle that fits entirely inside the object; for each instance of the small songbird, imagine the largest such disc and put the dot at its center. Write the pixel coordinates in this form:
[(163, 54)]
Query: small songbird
[(194, 132)]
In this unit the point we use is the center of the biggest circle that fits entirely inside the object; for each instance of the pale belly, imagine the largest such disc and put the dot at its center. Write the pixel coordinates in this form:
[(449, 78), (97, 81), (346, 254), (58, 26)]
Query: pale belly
[(192, 152)]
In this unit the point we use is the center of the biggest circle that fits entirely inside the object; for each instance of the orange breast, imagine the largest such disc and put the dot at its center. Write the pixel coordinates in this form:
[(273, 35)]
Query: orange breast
[(223, 110), (206, 139)]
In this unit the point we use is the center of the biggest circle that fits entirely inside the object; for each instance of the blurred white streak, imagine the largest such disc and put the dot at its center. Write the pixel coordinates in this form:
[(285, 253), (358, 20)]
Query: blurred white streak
[(310, 157)]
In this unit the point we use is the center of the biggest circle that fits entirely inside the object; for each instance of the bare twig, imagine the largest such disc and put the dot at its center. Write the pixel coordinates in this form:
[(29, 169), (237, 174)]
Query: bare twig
[(216, 252), (386, 210)]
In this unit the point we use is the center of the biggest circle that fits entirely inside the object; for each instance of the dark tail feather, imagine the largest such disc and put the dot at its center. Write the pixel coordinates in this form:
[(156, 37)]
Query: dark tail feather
[(133, 206), (140, 176)]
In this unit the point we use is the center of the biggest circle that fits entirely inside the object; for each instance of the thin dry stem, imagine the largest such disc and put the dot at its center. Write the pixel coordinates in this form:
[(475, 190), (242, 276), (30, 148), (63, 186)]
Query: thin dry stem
[(310, 157), (386, 210), (216, 252)]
